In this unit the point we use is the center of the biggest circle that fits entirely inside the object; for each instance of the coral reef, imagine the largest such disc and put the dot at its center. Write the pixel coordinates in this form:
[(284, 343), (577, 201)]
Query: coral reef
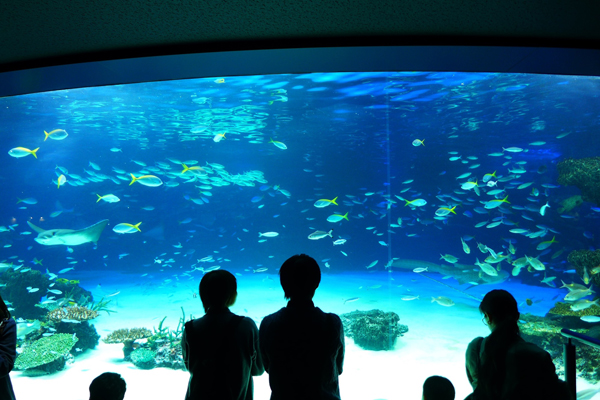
[(545, 332), (128, 337), (583, 173), (123, 335), (74, 313), (143, 358), (48, 354), (85, 332), (374, 329), (564, 309), (587, 259), (24, 300)]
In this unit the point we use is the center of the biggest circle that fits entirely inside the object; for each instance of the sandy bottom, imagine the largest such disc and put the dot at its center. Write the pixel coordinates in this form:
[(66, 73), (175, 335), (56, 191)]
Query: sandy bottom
[(435, 344)]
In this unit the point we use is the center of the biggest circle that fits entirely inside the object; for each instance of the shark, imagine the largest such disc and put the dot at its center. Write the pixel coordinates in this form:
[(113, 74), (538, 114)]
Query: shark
[(69, 237), (462, 273)]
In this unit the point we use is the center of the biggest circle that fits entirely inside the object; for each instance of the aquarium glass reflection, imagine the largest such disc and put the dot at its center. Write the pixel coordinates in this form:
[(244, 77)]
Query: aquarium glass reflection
[(416, 192)]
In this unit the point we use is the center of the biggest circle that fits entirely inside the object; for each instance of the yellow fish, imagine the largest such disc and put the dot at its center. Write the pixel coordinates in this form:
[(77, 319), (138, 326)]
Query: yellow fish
[(61, 181), (57, 134), (221, 80), (19, 152), (193, 169), (146, 180)]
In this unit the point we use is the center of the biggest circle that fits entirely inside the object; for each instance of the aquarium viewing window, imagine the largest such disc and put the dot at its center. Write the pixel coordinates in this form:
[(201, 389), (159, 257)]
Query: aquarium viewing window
[(431, 176)]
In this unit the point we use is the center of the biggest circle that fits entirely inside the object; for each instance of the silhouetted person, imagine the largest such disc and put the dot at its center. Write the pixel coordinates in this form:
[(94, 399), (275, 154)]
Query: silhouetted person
[(220, 350), (8, 351), (108, 386), (503, 365), (302, 347), (438, 388)]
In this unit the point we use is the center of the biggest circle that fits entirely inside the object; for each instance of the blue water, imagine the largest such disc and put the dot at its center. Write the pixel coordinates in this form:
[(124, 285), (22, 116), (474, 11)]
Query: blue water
[(346, 135)]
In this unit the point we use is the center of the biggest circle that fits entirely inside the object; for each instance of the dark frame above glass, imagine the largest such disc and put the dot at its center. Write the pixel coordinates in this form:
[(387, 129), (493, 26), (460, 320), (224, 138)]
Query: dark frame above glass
[(559, 61)]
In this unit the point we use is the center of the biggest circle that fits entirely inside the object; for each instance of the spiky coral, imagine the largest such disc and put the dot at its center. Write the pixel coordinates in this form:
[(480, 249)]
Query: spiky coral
[(125, 335), (75, 313)]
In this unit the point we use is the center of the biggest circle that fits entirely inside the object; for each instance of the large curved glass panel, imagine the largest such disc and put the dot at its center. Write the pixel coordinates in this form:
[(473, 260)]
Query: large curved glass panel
[(428, 190)]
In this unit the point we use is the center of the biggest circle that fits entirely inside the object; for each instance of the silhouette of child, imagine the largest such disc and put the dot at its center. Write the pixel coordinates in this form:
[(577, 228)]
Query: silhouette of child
[(438, 388), (108, 386)]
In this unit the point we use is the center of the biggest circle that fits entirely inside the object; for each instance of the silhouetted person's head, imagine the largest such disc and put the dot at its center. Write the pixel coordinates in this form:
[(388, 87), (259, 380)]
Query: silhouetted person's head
[(438, 388), (4, 312), (108, 386), (300, 276), (499, 306), (218, 289)]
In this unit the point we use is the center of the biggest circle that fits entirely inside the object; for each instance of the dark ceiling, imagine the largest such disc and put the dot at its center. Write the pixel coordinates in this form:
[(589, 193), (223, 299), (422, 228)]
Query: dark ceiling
[(43, 33)]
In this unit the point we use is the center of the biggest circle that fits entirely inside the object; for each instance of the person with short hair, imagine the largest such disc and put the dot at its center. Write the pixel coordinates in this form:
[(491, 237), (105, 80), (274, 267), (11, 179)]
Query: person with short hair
[(438, 388), (302, 346), (8, 351), (108, 386), (503, 365), (221, 349)]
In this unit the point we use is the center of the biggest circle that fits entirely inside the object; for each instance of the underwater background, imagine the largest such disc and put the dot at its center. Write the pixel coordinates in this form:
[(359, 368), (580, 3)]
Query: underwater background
[(417, 193)]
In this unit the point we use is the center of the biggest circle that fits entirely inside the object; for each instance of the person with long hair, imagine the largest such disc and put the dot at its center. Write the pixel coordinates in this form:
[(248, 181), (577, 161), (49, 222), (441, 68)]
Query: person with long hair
[(8, 351), (503, 365)]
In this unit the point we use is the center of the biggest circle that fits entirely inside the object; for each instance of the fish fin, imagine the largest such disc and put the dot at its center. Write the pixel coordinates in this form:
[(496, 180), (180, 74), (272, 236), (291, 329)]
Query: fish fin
[(35, 228), (33, 152), (93, 232), (133, 179), (99, 197)]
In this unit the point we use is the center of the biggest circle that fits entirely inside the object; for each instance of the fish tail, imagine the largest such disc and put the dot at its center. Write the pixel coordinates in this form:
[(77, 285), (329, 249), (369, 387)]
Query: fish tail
[(33, 152), (423, 142), (330, 233), (433, 299), (407, 202), (133, 179), (185, 168), (452, 211), (99, 197), (333, 201), (47, 135), (346, 217), (19, 200), (137, 226)]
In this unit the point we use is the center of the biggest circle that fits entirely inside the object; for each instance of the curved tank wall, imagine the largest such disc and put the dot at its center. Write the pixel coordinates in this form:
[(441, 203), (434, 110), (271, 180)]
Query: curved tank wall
[(427, 190)]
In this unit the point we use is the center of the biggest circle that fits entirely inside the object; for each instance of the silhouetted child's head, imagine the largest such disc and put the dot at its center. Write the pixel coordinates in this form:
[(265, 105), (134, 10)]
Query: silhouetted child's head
[(218, 289), (300, 276), (438, 388), (108, 386)]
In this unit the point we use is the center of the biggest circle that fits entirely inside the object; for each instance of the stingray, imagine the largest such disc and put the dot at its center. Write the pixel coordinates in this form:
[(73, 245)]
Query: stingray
[(69, 237)]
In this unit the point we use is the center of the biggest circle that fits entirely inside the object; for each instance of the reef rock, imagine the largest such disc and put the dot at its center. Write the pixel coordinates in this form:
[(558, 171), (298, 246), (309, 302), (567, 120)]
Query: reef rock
[(374, 329), (586, 260), (583, 173)]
